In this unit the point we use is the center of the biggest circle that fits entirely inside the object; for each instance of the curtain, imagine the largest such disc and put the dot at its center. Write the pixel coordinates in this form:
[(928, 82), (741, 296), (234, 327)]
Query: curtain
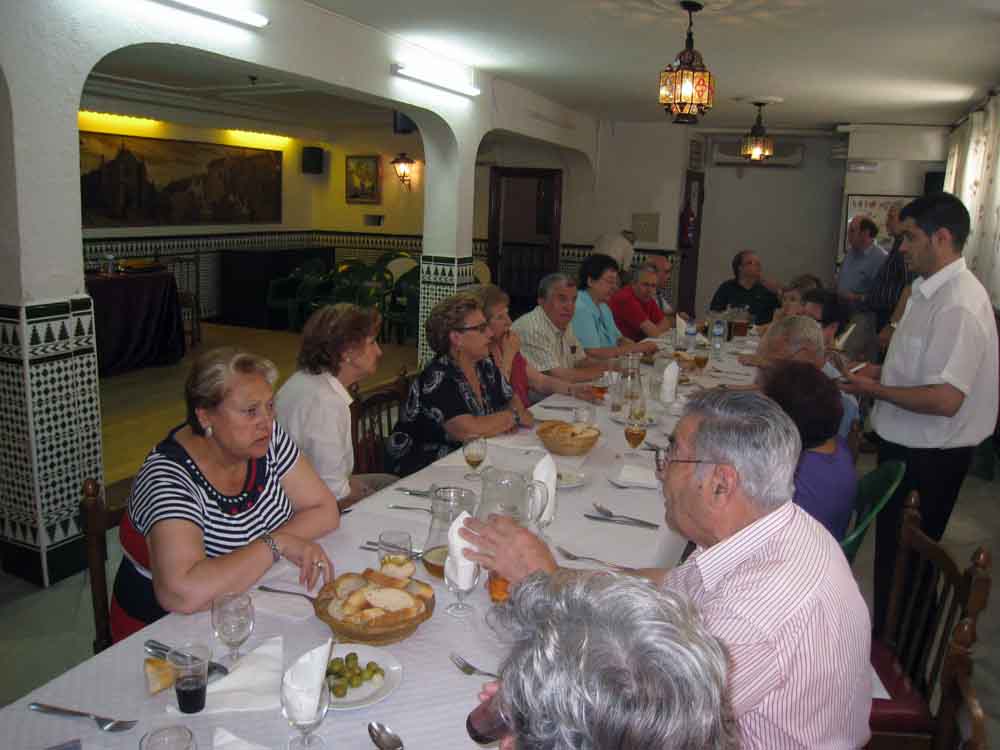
[(972, 173)]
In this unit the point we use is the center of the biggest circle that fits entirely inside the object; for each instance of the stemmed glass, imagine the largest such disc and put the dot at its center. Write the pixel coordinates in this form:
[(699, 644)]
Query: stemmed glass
[(305, 718), (459, 608), (635, 432), (232, 621), (474, 451)]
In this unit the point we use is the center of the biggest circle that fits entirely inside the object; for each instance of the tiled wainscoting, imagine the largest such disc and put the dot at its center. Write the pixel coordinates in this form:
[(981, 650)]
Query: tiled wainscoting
[(50, 411)]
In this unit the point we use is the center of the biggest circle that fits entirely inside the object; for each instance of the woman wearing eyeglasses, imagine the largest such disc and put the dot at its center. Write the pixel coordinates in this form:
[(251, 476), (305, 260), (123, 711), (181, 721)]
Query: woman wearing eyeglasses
[(459, 395)]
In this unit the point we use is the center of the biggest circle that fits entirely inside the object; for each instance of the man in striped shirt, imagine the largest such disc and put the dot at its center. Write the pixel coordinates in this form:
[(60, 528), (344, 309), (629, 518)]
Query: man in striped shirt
[(770, 581)]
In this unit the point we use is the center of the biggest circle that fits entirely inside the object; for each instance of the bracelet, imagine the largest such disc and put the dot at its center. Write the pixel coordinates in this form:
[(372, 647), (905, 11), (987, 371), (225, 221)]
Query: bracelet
[(273, 545), (517, 417)]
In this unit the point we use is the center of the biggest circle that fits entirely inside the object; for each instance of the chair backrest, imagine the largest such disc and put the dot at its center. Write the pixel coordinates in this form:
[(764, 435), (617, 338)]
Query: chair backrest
[(961, 719), (187, 271), (874, 490), (98, 518), (854, 436), (929, 596), (373, 417)]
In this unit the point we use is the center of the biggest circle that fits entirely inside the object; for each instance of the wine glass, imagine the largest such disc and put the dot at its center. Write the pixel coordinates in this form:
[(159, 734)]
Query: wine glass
[(232, 621), (475, 453), (459, 608), (303, 715), (635, 431)]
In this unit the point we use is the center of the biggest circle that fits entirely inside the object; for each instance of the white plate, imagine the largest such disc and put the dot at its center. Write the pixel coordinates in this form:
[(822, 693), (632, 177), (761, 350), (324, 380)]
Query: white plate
[(567, 480), (651, 420), (369, 693)]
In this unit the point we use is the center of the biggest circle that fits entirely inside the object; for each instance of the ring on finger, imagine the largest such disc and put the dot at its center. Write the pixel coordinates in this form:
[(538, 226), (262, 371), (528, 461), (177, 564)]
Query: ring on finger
[(319, 564)]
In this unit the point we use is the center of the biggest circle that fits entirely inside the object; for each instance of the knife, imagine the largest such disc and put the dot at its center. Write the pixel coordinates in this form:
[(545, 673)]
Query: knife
[(160, 651), (556, 408), (623, 521), (415, 493), (393, 506)]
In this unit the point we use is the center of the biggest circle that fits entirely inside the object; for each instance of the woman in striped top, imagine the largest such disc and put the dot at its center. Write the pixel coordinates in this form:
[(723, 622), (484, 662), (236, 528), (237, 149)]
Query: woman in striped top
[(220, 500)]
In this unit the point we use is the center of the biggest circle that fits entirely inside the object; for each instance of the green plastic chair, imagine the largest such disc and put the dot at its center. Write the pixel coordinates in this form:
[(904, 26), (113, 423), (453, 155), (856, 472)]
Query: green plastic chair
[(874, 490)]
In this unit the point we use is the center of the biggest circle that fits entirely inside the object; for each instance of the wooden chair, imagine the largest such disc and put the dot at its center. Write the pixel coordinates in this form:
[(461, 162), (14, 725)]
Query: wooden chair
[(961, 716), (101, 514), (854, 438), (929, 596), (373, 417), (874, 491)]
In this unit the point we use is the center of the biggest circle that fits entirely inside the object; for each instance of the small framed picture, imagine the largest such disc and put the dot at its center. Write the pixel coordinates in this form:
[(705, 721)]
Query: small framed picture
[(364, 179)]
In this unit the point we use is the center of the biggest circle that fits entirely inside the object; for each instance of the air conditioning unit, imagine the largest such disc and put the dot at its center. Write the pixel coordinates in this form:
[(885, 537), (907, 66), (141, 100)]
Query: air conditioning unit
[(727, 154)]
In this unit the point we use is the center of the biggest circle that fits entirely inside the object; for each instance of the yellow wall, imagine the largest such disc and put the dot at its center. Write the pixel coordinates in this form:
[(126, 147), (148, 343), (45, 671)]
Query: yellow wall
[(309, 201)]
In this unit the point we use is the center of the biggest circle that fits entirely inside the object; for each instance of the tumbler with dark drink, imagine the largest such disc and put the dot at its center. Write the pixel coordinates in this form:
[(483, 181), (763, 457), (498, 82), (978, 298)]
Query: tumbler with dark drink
[(486, 723), (190, 664)]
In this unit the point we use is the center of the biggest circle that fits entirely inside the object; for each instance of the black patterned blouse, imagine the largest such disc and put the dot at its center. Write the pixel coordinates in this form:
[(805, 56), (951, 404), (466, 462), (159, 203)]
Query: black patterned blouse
[(439, 393)]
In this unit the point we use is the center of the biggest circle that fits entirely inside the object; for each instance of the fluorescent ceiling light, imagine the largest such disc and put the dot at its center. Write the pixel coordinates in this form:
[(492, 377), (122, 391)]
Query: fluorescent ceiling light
[(223, 9), (433, 78)]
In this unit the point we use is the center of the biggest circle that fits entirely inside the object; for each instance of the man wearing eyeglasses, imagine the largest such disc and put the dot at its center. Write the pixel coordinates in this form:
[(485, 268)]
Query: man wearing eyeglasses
[(770, 581)]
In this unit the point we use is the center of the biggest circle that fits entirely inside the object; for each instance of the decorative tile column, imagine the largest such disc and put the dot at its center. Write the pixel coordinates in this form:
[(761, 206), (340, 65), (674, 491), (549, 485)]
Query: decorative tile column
[(440, 277), (51, 421)]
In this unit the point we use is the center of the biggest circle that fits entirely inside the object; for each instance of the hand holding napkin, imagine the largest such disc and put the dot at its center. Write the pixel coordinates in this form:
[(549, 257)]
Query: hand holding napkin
[(303, 682), (545, 472), (226, 740), (638, 476), (460, 569), (668, 389), (251, 685)]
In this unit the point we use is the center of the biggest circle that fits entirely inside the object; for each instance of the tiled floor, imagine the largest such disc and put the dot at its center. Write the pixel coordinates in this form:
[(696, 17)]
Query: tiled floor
[(43, 633)]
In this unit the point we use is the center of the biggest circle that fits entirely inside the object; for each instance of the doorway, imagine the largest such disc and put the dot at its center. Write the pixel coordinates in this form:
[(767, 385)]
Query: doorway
[(523, 240)]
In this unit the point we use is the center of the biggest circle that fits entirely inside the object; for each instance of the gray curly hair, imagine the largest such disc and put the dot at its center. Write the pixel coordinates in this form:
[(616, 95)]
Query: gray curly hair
[(601, 661)]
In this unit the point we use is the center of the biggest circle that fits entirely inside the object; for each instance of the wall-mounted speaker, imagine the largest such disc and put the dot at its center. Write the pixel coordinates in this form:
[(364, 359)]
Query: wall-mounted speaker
[(401, 124), (312, 160), (933, 182)]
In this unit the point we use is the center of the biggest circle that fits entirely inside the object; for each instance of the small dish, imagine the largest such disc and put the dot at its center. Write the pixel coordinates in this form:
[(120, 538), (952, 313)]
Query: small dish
[(368, 694), (651, 420), (568, 480)]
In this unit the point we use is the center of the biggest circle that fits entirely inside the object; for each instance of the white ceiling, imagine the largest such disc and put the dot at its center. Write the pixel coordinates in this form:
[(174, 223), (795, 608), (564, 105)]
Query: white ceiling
[(832, 61)]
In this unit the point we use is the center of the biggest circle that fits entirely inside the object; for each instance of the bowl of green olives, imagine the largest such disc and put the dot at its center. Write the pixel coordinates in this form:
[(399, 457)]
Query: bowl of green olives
[(361, 676)]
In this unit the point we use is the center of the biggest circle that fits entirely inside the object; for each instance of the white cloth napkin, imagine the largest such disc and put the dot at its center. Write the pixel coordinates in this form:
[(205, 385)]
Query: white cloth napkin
[(545, 472), (460, 569), (878, 689), (225, 740), (668, 388), (638, 476), (283, 605), (253, 684), (303, 682)]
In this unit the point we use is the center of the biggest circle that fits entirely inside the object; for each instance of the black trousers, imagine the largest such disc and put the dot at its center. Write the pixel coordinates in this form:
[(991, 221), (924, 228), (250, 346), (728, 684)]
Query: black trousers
[(937, 474)]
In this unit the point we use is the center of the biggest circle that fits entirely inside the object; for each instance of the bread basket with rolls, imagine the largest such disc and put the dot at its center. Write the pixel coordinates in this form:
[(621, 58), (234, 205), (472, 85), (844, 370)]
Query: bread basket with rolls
[(377, 607), (565, 439)]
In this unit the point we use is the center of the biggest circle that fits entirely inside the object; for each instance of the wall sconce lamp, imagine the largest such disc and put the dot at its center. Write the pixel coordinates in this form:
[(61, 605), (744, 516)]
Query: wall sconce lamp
[(403, 165)]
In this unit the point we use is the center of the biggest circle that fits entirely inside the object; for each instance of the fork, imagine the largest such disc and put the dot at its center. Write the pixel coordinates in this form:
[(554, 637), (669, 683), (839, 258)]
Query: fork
[(103, 722), (467, 668), (272, 590), (608, 513), (573, 556)]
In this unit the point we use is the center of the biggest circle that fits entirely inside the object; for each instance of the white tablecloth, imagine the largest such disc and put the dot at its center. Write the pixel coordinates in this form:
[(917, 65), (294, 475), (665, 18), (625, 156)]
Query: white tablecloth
[(429, 708)]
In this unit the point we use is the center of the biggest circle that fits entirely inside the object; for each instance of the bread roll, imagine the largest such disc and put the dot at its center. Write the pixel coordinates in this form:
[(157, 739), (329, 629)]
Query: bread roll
[(159, 674), (399, 570), (345, 585), (420, 590), (386, 581), (391, 600)]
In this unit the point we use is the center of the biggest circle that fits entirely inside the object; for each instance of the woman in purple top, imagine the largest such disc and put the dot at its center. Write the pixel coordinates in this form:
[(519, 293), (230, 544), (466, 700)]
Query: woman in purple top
[(825, 479)]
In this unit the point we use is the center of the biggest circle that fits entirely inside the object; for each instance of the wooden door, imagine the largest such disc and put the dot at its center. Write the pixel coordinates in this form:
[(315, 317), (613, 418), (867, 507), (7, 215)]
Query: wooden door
[(689, 239), (523, 241)]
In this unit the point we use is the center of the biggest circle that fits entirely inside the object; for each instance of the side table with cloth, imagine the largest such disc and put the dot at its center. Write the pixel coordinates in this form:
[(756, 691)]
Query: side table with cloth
[(137, 320)]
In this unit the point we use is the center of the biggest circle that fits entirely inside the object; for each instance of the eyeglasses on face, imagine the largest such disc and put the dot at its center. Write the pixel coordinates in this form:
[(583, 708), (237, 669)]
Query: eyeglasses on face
[(482, 328), (665, 457)]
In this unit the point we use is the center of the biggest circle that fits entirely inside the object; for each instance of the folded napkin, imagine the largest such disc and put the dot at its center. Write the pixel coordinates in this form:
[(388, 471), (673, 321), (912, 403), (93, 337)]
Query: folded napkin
[(253, 684), (303, 682), (545, 472), (878, 689), (668, 388), (226, 740), (638, 476), (460, 569), (284, 605)]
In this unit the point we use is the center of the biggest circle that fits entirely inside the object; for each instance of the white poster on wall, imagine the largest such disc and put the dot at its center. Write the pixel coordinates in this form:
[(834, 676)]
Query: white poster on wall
[(876, 207)]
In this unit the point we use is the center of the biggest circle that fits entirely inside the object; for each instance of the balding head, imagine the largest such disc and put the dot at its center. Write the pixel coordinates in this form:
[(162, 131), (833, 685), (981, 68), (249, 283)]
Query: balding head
[(795, 338)]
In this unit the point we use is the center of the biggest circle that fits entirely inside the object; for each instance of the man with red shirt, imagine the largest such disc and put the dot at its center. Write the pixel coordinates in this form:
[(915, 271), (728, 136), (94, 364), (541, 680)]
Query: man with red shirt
[(634, 306)]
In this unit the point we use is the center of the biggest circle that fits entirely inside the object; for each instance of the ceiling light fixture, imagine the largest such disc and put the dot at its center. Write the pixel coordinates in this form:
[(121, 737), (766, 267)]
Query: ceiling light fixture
[(757, 144), (403, 165), (434, 78), (687, 88), (221, 9)]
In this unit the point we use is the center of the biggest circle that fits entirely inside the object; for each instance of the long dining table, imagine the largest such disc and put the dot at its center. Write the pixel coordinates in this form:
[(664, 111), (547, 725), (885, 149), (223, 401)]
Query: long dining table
[(429, 707)]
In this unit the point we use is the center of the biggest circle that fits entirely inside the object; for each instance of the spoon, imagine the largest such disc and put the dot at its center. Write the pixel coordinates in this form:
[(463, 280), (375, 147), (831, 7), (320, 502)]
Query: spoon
[(383, 737)]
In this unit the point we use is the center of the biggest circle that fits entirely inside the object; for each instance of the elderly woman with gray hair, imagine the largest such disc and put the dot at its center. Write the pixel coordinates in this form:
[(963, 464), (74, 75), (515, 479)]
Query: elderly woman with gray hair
[(607, 661), (220, 500)]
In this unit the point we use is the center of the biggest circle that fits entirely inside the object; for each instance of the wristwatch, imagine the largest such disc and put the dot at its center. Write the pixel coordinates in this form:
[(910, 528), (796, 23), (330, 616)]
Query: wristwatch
[(272, 545)]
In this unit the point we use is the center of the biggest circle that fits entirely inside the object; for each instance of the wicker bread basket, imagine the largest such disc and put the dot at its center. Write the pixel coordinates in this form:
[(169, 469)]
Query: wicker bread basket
[(565, 439), (372, 635)]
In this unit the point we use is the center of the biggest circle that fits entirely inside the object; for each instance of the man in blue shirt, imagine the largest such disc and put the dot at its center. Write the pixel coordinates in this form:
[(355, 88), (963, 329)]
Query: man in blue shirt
[(862, 261)]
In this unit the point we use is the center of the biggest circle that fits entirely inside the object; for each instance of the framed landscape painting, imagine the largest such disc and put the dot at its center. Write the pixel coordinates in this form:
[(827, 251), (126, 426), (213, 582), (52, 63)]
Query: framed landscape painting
[(133, 181), (364, 183)]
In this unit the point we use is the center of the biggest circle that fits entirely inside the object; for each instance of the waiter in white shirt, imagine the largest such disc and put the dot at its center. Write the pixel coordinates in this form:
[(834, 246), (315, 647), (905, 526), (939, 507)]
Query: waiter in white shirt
[(936, 394)]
